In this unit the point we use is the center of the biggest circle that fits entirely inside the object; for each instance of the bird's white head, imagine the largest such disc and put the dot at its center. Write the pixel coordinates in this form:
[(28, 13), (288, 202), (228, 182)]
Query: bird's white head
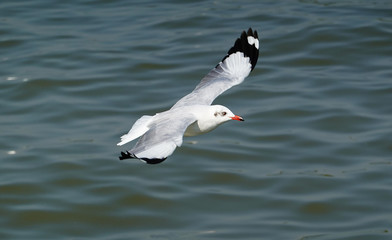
[(223, 114), (209, 118)]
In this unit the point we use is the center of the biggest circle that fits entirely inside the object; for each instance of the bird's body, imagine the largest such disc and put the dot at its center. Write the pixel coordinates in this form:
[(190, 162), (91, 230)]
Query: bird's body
[(193, 115)]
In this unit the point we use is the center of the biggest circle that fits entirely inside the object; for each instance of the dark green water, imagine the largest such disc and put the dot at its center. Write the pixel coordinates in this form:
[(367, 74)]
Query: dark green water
[(313, 160)]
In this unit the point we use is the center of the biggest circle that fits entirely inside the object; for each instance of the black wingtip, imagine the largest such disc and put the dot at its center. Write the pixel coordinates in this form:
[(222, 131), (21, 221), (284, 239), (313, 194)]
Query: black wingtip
[(153, 160), (128, 155), (249, 48)]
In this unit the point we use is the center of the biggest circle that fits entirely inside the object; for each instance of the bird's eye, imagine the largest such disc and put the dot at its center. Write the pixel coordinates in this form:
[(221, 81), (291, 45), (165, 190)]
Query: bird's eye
[(215, 114), (224, 113)]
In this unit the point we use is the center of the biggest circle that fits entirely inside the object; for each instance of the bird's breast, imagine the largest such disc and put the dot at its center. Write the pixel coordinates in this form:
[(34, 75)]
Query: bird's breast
[(198, 127), (193, 130)]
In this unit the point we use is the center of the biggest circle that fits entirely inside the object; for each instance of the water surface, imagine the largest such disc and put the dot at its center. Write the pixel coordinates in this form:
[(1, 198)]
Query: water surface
[(311, 161)]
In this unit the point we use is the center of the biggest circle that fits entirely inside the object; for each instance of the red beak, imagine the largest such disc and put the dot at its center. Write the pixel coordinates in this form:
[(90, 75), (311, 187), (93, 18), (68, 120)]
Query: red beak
[(238, 118)]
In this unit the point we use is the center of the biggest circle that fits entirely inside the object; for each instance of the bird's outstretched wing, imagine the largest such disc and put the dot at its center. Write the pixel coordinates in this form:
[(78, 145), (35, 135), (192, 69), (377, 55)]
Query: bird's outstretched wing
[(232, 70), (162, 138)]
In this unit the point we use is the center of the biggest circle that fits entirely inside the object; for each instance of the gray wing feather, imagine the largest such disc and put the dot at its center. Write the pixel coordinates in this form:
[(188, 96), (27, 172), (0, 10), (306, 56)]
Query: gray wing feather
[(217, 81), (232, 70), (163, 137), (209, 88)]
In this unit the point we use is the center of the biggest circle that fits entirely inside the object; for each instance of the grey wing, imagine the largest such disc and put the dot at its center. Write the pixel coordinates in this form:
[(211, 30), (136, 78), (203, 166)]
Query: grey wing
[(162, 138), (232, 70)]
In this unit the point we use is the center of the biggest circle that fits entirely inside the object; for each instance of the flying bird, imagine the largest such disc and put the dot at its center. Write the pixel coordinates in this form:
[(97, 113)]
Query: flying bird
[(193, 114)]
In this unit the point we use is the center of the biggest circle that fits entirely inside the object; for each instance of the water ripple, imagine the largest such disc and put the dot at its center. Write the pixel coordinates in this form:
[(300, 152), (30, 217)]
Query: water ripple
[(311, 161)]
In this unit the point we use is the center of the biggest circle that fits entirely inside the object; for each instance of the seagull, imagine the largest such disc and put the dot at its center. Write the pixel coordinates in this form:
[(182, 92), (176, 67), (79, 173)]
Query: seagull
[(193, 114)]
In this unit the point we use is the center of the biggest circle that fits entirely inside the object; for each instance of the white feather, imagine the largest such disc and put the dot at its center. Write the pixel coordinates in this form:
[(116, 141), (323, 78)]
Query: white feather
[(140, 127), (253, 41), (161, 150), (236, 66)]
